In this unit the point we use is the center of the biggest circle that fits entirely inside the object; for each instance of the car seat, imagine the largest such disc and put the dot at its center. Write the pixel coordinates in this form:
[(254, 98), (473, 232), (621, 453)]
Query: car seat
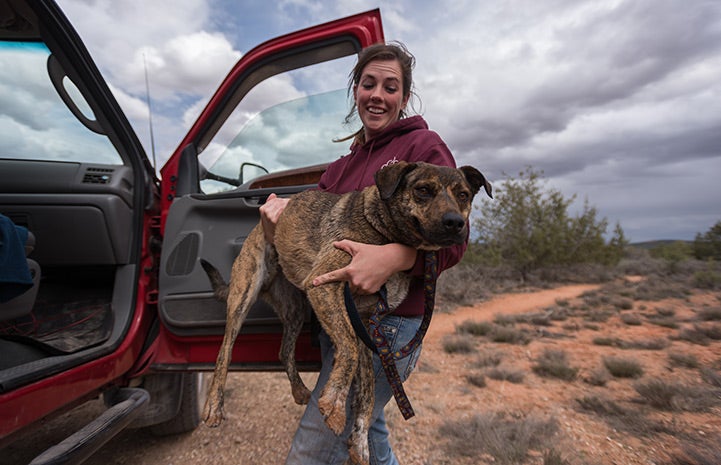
[(19, 275)]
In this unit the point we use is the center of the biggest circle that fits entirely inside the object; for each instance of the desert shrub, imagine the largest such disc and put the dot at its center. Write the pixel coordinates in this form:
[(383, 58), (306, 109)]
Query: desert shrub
[(463, 285), (658, 393), (553, 363), (601, 406), (709, 314), (706, 279), (699, 451), (622, 419), (505, 438), (666, 312), (623, 304), (488, 358), (540, 319), (605, 341), (553, 457), (599, 316), (597, 377), (475, 328), (711, 331), (506, 374), (658, 343), (658, 287), (665, 322), (666, 395), (701, 334), (641, 344), (672, 254), (558, 314), (711, 376), (678, 359), (631, 319), (506, 320), (639, 262), (509, 335), (693, 335), (476, 379), (620, 367), (458, 345)]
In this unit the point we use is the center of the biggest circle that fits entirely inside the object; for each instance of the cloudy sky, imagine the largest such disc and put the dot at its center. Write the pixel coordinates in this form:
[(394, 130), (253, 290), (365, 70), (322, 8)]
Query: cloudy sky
[(617, 101)]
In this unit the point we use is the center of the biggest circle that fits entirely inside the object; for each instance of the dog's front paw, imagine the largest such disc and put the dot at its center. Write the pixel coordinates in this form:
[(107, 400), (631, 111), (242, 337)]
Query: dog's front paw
[(213, 411), (333, 409)]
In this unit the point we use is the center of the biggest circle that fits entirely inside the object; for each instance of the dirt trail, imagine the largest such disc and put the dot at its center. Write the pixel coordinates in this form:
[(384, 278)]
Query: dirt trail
[(508, 304)]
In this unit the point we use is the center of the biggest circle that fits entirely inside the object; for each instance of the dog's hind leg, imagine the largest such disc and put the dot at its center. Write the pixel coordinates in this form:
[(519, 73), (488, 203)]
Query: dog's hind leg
[(326, 301), (248, 276), (362, 408), (291, 306)]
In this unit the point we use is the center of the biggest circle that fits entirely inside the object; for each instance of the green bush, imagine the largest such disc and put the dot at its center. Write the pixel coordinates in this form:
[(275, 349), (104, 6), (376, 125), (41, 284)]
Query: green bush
[(708, 246), (530, 229)]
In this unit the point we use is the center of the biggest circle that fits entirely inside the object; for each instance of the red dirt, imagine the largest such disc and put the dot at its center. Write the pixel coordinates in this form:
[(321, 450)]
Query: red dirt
[(262, 415)]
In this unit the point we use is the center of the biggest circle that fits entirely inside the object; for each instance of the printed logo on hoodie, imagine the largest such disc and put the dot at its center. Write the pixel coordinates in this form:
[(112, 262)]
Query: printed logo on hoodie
[(392, 161)]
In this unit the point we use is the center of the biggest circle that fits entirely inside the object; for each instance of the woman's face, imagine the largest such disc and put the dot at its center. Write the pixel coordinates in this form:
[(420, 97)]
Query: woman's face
[(379, 95)]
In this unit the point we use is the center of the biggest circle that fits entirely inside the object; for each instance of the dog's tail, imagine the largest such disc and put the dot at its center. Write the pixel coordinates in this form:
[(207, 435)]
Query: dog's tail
[(220, 287)]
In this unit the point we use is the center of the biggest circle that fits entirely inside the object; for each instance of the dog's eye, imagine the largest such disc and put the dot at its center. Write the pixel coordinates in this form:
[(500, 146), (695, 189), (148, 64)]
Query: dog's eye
[(423, 192), (463, 196)]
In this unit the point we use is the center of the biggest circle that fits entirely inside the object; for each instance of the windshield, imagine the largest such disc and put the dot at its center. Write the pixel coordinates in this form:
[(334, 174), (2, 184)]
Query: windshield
[(35, 124), (288, 135), (291, 120)]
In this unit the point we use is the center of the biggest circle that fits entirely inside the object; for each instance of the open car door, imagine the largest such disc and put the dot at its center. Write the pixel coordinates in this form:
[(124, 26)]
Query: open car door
[(269, 128)]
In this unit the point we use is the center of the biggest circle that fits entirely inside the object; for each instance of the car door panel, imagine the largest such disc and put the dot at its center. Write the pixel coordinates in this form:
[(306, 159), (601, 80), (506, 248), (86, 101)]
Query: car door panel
[(213, 226)]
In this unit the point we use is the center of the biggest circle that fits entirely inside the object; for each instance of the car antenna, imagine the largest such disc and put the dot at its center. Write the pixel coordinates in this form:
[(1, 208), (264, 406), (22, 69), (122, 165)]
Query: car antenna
[(150, 112)]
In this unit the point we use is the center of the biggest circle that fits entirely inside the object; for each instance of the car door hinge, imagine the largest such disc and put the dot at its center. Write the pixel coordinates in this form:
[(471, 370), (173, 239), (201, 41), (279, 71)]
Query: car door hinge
[(151, 297)]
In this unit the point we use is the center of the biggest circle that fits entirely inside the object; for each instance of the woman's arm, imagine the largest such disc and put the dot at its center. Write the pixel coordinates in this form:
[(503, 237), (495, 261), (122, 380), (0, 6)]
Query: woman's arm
[(370, 266)]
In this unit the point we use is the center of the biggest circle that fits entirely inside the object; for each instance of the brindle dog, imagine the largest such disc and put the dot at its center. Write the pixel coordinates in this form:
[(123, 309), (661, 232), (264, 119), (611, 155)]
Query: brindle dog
[(418, 204)]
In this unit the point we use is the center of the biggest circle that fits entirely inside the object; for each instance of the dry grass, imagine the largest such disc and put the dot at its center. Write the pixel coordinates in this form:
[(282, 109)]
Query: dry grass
[(621, 367), (506, 438), (554, 363), (459, 344)]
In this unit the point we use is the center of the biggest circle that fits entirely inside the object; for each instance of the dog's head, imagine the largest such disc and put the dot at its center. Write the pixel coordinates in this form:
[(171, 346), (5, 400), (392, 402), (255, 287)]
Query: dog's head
[(430, 203)]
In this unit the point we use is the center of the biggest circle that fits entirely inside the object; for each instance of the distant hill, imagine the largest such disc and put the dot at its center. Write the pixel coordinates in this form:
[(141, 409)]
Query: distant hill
[(650, 245)]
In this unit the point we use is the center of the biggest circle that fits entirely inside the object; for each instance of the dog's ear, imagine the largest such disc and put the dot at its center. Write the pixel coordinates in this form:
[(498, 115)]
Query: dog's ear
[(389, 178), (476, 180)]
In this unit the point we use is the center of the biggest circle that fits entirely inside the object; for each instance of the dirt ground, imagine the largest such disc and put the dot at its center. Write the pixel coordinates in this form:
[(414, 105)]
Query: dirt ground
[(262, 417)]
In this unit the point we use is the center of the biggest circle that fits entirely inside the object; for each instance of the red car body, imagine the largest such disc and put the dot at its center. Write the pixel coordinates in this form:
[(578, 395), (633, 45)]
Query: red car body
[(154, 339)]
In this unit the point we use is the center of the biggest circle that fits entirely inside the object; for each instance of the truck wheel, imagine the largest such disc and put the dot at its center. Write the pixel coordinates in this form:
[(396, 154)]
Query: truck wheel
[(194, 391)]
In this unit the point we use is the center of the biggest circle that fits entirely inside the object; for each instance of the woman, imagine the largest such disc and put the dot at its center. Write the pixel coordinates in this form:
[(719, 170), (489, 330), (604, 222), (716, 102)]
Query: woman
[(381, 83)]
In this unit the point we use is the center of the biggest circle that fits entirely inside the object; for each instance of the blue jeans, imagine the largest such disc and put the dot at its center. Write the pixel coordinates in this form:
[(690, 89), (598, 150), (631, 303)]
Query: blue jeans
[(315, 444)]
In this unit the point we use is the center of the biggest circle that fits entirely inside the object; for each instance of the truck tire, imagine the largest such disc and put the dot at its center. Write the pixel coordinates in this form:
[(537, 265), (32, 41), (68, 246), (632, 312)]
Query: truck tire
[(193, 392)]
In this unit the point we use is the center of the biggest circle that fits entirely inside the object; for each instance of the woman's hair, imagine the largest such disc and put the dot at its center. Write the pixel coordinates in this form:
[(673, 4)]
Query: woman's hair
[(394, 51)]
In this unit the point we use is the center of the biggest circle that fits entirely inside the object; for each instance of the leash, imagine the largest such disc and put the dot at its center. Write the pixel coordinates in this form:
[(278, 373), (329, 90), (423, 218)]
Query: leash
[(376, 340)]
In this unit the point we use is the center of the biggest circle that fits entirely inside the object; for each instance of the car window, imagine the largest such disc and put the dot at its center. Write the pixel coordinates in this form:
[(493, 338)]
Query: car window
[(35, 124), (266, 136)]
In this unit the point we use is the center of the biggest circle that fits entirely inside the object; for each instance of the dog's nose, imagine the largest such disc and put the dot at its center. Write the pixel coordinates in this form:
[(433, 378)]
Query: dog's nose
[(453, 222)]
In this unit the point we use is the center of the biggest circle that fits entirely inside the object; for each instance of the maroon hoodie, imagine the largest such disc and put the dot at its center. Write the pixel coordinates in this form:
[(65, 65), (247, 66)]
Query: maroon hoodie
[(408, 139)]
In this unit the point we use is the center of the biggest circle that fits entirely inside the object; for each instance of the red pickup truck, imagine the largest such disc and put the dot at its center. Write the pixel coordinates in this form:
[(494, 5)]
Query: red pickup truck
[(109, 297)]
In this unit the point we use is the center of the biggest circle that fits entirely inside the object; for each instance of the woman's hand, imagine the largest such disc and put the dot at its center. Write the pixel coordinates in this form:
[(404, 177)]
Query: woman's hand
[(370, 266), (269, 213)]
